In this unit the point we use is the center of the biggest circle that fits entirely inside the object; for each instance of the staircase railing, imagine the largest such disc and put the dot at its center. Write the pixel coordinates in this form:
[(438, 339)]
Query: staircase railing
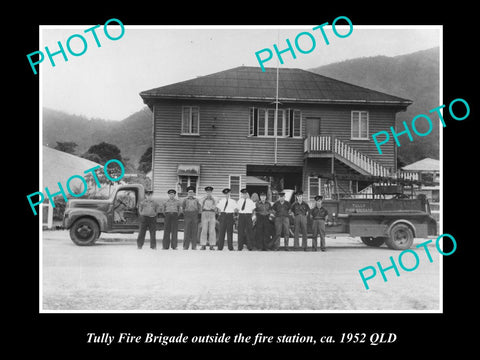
[(328, 144)]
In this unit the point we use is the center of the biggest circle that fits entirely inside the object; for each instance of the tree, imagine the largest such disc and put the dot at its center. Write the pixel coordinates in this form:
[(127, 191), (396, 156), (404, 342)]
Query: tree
[(101, 153), (66, 146), (105, 152), (92, 157), (145, 162)]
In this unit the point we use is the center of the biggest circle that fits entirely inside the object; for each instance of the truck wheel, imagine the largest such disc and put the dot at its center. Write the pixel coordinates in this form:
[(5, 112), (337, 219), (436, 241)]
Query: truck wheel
[(401, 237), (373, 241), (84, 232)]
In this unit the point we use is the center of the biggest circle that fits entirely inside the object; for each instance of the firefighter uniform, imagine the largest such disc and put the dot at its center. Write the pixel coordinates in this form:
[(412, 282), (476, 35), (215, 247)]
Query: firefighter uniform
[(263, 226), (301, 211), (191, 208), (281, 209), (148, 210), (171, 209), (319, 215)]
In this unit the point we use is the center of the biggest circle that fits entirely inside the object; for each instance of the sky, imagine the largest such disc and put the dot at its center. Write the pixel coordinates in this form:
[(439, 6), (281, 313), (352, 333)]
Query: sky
[(105, 82)]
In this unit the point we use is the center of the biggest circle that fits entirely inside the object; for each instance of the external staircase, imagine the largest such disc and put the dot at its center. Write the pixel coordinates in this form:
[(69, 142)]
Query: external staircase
[(324, 146)]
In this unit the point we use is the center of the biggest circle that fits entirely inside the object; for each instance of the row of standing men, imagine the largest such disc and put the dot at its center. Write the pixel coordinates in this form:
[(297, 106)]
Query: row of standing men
[(265, 236)]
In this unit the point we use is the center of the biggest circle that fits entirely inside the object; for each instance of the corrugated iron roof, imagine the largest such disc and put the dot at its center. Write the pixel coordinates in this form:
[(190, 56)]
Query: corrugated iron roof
[(59, 166), (250, 83), (426, 164)]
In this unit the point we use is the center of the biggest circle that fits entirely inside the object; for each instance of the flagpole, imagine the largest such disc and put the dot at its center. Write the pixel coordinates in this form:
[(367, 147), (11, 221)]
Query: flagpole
[(275, 126)]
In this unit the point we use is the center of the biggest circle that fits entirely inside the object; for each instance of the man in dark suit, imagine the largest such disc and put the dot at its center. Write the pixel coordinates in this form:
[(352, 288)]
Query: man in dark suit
[(245, 224), (226, 207)]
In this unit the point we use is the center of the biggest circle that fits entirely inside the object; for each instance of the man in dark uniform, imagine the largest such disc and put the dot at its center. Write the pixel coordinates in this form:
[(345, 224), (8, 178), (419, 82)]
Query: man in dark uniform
[(300, 211), (226, 207), (148, 210), (263, 235), (191, 208), (281, 209), (171, 209), (319, 215)]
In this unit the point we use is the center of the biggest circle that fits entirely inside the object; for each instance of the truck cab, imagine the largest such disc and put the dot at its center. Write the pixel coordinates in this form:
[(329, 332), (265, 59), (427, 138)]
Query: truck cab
[(87, 218)]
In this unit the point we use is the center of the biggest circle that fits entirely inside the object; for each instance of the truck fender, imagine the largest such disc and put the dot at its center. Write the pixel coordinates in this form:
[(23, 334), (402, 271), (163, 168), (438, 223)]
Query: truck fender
[(75, 214), (402, 221)]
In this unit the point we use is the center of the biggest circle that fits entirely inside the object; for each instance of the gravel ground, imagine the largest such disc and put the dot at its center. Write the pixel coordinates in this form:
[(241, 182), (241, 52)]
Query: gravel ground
[(114, 275)]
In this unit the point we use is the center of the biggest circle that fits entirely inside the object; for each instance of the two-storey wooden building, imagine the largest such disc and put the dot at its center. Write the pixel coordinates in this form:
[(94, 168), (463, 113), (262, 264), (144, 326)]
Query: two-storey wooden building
[(218, 129)]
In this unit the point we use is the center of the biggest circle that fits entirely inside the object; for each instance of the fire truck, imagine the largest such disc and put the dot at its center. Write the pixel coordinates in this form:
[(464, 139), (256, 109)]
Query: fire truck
[(388, 215)]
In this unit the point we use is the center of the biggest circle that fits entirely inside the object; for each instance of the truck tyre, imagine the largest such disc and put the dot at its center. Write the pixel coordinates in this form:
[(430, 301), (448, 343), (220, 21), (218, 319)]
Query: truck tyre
[(373, 241), (401, 237), (84, 232)]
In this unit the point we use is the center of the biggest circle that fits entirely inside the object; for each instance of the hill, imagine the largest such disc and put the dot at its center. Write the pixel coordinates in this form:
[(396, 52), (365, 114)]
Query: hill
[(412, 76), (132, 135)]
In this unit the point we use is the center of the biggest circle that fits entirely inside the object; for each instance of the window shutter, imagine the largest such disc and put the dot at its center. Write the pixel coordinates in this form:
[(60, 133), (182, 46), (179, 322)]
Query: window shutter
[(261, 122), (297, 123), (364, 124), (251, 122)]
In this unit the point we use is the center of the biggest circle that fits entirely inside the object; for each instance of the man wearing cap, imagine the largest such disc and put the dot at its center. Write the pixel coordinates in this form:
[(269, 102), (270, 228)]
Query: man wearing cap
[(245, 224), (226, 207), (191, 208), (147, 209), (301, 211), (319, 215), (171, 209), (281, 210), (208, 219), (263, 209)]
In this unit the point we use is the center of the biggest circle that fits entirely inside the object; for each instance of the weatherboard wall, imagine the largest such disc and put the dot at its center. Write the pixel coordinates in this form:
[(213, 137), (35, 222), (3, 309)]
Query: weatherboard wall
[(336, 121), (224, 146)]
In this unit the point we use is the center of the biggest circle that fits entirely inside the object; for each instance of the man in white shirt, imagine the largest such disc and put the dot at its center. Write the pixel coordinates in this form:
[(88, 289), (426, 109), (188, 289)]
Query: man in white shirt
[(245, 224), (226, 208)]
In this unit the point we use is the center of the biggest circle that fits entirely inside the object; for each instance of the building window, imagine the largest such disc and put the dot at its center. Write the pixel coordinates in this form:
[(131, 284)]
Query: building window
[(190, 120), (235, 183), (262, 123), (359, 125), (314, 187), (185, 181)]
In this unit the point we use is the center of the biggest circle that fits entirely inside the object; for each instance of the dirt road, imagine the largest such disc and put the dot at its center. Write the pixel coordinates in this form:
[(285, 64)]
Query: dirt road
[(114, 275)]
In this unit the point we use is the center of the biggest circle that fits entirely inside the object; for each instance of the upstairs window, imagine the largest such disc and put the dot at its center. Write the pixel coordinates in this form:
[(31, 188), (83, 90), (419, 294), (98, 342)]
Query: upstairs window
[(262, 123), (190, 120), (359, 125)]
